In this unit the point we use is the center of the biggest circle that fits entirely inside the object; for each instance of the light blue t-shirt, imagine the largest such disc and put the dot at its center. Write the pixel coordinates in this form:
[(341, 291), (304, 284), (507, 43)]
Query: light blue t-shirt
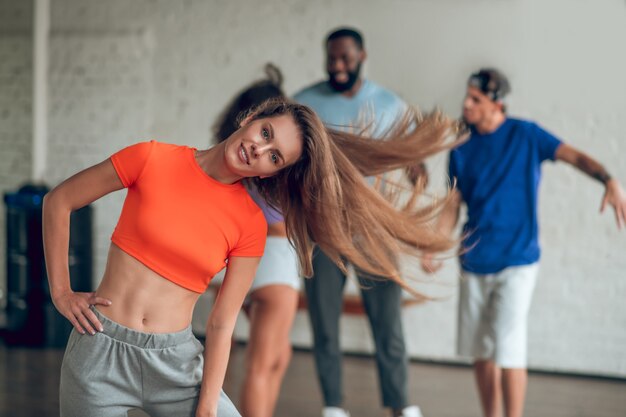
[(373, 106), (498, 177)]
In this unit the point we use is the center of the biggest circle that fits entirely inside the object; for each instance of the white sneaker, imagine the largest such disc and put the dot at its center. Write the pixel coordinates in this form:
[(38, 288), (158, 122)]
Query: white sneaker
[(412, 411), (334, 412)]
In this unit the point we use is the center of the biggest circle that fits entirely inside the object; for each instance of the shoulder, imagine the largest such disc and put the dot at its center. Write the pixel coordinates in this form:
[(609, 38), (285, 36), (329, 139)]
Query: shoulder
[(313, 90), (475, 141), (523, 125), (151, 145), (164, 146), (144, 153), (382, 95), (533, 131), (460, 150), (164, 150)]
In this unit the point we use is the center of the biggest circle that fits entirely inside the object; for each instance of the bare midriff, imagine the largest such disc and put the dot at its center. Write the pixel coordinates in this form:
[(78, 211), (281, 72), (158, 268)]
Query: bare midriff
[(141, 299)]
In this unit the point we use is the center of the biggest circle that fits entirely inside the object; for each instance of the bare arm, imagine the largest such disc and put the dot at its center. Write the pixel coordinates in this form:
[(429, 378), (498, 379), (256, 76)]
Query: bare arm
[(613, 195), (583, 162), (72, 194), (239, 275), (445, 225)]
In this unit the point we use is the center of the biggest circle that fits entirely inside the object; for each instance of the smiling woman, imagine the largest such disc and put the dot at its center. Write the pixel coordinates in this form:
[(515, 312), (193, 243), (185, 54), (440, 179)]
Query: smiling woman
[(272, 302), (187, 214), (265, 146)]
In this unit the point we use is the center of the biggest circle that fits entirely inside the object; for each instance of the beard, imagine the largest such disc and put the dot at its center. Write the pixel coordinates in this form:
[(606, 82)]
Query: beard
[(353, 77)]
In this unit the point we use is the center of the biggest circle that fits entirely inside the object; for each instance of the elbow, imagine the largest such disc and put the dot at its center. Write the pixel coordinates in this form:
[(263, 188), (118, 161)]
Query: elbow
[(214, 327), (219, 334), (47, 198), (219, 327), (50, 200), (53, 202)]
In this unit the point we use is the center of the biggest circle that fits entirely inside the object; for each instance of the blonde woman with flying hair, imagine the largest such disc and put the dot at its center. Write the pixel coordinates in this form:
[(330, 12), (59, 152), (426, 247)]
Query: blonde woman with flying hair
[(187, 215), (272, 302)]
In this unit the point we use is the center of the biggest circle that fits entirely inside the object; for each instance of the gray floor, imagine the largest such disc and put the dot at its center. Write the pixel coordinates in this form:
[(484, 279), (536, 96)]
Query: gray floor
[(29, 384)]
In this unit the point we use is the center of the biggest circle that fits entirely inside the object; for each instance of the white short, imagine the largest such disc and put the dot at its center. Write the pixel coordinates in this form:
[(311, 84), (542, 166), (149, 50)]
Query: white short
[(278, 266), (493, 315)]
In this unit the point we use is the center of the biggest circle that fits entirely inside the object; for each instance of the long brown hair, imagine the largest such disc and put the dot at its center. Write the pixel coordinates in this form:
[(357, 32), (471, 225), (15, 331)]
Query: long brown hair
[(326, 200)]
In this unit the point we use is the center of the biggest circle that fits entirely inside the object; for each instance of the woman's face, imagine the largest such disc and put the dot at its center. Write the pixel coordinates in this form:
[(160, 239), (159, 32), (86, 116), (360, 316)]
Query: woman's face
[(261, 148)]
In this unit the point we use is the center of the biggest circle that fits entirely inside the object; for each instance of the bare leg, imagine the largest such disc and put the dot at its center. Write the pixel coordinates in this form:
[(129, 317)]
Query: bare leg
[(489, 380), (514, 381), (269, 351)]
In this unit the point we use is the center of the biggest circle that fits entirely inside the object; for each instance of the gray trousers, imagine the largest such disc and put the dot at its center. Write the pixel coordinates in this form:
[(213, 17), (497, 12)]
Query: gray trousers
[(382, 302), (121, 369)]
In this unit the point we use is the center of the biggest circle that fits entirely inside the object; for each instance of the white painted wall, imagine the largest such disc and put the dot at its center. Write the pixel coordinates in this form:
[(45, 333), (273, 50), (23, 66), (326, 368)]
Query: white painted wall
[(16, 65), (125, 71)]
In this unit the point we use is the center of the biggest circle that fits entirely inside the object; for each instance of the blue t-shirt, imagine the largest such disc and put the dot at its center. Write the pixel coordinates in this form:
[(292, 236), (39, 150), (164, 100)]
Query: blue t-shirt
[(498, 177), (372, 106)]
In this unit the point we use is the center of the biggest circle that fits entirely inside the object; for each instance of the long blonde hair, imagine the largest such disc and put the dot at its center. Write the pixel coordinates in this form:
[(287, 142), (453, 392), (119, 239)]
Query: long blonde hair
[(326, 200)]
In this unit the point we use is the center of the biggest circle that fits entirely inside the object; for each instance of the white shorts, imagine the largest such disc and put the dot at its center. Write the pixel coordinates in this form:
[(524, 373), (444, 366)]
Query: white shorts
[(493, 315), (278, 266)]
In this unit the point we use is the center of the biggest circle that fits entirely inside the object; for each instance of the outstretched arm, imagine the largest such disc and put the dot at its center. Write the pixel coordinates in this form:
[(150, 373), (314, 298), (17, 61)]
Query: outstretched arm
[(237, 281), (72, 194), (614, 193), (445, 225)]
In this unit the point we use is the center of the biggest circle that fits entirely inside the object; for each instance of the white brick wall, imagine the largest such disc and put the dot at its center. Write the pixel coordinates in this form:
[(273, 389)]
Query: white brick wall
[(125, 70), (99, 92), (16, 17), (15, 108)]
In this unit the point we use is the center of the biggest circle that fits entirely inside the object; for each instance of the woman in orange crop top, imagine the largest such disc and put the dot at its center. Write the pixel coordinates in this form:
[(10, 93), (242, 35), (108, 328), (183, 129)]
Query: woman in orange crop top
[(186, 215)]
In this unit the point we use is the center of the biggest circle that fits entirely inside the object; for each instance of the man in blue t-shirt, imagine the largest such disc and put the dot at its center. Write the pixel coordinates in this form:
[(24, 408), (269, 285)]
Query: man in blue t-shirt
[(498, 172), (347, 101)]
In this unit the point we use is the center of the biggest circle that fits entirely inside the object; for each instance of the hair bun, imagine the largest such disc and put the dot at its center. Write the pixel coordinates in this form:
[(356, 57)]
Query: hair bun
[(273, 74)]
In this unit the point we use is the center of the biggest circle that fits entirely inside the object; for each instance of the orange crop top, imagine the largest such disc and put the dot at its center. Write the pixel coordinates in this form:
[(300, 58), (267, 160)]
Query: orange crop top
[(180, 222)]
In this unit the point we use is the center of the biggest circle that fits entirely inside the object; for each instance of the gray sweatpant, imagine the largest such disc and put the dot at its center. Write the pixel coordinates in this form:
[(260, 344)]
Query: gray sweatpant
[(121, 369)]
